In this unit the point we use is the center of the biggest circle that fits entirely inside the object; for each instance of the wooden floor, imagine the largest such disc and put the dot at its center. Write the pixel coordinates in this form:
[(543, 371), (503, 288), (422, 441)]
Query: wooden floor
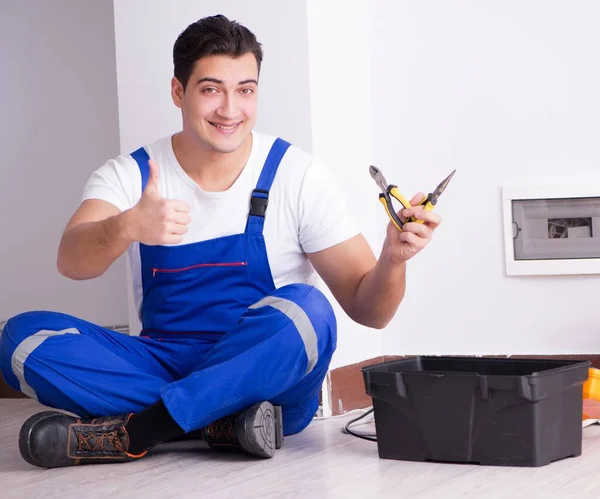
[(321, 462)]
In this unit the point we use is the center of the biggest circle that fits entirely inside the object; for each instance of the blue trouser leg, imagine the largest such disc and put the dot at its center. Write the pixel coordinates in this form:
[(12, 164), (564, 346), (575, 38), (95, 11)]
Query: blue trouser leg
[(71, 364), (280, 351)]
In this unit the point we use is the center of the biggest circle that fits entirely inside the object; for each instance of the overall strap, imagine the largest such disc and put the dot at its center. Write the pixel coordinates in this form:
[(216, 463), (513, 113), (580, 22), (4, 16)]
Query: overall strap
[(141, 157), (260, 195)]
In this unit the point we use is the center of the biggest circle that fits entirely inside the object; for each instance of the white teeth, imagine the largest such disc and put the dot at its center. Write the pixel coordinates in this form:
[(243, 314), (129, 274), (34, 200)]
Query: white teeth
[(230, 127)]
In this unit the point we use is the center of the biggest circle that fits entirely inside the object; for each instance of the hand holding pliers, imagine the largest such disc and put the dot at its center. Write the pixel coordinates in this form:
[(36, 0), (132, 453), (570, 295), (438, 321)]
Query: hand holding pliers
[(390, 190)]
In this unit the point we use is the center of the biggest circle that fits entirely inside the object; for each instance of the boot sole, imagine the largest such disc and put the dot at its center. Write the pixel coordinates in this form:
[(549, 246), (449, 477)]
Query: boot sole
[(262, 431), (25, 435)]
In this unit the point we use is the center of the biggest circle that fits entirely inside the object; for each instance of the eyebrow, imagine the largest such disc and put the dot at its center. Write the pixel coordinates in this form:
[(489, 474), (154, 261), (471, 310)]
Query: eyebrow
[(221, 82)]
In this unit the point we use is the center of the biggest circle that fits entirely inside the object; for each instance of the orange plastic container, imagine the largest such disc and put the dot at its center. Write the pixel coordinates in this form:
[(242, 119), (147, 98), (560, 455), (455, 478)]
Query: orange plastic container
[(591, 395)]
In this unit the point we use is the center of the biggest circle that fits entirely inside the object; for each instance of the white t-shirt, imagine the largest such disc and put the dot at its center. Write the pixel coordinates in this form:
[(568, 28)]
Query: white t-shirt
[(306, 210)]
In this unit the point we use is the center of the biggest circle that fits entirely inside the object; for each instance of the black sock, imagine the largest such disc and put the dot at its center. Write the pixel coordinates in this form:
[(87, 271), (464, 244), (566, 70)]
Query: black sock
[(150, 427)]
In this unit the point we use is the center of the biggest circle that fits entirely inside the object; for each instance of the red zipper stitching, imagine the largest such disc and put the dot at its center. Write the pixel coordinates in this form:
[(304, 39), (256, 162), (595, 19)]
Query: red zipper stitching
[(183, 269)]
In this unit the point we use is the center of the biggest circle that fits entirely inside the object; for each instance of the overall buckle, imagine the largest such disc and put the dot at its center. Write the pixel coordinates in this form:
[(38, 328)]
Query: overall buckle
[(258, 204)]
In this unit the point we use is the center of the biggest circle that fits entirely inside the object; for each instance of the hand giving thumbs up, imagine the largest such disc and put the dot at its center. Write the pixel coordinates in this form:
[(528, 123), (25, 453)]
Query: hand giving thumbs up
[(159, 220)]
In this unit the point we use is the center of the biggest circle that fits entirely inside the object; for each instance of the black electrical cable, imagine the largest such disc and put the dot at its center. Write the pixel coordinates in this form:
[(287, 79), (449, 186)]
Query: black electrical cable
[(364, 437)]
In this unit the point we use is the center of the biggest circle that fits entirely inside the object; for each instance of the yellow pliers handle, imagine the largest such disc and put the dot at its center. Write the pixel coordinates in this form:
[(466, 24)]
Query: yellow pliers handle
[(391, 213), (386, 201)]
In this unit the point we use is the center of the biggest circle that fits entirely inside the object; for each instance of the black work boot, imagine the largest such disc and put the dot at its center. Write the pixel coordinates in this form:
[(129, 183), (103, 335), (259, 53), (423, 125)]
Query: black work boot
[(257, 430), (52, 439)]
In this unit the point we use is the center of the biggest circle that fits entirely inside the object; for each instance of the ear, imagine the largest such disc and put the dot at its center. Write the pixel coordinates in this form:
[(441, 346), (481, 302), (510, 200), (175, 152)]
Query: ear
[(177, 92)]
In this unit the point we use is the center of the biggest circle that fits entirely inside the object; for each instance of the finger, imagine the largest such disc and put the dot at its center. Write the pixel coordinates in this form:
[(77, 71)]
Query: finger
[(419, 230), (412, 211), (181, 218), (431, 218), (417, 243), (178, 229), (172, 239), (417, 198), (154, 175), (179, 206)]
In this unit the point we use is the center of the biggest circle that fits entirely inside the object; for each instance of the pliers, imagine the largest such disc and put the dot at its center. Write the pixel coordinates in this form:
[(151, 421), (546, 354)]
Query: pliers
[(390, 190)]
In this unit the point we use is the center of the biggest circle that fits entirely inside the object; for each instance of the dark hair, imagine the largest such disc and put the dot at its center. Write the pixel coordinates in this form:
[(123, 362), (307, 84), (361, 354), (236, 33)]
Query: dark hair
[(214, 35)]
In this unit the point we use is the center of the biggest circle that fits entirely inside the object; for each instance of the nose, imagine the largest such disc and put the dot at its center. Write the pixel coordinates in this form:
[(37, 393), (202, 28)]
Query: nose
[(228, 107)]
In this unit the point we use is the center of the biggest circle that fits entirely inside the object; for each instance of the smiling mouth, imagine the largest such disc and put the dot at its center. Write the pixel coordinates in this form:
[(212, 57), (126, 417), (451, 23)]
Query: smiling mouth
[(226, 128)]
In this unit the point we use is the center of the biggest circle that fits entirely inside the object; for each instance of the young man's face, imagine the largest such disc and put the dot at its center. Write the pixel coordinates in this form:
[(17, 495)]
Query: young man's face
[(219, 102)]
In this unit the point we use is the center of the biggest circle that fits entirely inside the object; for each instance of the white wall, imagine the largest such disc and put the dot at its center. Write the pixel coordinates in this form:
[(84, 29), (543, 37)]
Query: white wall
[(341, 111), (59, 122), (503, 92), (145, 31)]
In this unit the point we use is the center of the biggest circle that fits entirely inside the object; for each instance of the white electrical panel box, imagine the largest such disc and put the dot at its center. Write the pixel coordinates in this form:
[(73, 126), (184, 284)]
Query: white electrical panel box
[(552, 229)]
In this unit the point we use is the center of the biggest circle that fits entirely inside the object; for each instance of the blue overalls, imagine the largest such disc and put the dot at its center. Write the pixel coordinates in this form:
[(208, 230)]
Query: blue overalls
[(217, 335)]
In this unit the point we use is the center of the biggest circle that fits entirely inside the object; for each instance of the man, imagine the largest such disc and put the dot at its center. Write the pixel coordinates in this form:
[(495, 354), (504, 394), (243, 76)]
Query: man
[(223, 228)]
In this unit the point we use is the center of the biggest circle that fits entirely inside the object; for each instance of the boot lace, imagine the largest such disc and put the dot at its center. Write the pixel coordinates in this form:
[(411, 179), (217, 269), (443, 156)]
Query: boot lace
[(99, 441), (222, 431)]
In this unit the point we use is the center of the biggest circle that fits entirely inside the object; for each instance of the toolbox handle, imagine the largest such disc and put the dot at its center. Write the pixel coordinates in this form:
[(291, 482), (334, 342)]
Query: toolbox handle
[(397, 387)]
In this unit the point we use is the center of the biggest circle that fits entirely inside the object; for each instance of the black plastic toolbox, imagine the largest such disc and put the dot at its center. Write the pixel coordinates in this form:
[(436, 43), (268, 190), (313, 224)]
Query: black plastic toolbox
[(489, 411)]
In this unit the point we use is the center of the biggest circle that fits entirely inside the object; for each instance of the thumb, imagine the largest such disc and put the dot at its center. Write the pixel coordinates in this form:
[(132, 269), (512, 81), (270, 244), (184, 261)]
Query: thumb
[(152, 184)]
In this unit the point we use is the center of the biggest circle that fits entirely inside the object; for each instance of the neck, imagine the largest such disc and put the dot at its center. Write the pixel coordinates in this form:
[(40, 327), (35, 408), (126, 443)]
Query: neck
[(212, 170)]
